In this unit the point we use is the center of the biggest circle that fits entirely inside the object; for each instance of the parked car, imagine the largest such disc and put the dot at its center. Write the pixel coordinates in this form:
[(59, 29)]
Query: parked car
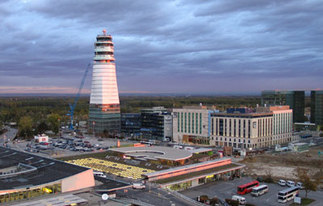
[(260, 179), (138, 186), (282, 182), (241, 200), (300, 185), (290, 183)]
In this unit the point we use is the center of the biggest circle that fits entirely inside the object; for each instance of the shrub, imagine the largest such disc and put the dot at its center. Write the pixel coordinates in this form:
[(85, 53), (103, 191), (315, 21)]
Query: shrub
[(232, 202)]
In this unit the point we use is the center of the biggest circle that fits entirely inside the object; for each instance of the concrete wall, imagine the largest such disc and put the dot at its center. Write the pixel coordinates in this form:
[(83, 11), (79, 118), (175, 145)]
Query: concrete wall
[(78, 181)]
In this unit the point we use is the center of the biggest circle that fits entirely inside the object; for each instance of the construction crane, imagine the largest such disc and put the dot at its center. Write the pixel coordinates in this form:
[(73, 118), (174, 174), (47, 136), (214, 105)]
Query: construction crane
[(72, 106)]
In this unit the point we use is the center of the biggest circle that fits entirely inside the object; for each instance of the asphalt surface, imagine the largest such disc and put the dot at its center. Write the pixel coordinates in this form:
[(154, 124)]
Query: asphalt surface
[(58, 152), (9, 135), (154, 196), (225, 189)]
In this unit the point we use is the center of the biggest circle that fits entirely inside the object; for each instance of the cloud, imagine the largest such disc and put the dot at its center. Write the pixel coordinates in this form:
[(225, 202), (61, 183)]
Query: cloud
[(167, 45)]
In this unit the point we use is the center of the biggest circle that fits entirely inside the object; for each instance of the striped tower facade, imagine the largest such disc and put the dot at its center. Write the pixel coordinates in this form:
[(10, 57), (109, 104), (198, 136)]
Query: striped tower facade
[(104, 113)]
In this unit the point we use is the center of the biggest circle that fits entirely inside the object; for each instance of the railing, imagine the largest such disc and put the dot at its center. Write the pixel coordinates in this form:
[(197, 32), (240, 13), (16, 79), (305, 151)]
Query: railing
[(183, 197), (103, 48), (21, 169), (136, 202), (103, 57)]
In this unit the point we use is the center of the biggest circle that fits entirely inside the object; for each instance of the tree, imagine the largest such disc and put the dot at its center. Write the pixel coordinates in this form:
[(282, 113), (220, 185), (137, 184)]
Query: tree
[(41, 128), (214, 201), (308, 183), (25, 127), (54, 122)]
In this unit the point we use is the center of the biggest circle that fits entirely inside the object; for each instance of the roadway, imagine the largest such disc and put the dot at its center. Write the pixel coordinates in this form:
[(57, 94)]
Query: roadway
[(9, 135), (154, 195), (225, 189)]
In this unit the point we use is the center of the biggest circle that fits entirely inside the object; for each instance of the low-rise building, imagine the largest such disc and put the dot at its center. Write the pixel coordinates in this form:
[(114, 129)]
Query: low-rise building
[(24, 176)]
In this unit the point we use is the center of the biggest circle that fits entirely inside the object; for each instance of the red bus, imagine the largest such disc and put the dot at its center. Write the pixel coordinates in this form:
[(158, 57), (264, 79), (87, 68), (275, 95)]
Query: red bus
[(246, 188)]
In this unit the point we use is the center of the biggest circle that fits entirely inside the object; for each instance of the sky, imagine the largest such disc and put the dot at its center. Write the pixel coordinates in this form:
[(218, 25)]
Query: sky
[(164, 46)]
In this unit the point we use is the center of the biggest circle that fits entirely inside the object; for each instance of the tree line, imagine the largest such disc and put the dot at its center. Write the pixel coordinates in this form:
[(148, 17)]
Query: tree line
[(35, 115)]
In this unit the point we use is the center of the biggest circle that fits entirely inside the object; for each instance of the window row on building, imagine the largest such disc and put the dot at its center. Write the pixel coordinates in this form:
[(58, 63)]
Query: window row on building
[(262, 127)]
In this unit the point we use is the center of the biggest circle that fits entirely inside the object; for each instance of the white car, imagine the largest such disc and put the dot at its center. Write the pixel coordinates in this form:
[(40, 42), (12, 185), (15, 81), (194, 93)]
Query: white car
[(138, 186), (282, 182), (290, 183), (241, 200), (300, 185)]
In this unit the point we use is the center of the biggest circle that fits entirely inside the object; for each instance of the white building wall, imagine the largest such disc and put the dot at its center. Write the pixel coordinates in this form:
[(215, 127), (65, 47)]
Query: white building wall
[(193, 122), (104, 85), (241, 132), (79, 181), (168, 126)]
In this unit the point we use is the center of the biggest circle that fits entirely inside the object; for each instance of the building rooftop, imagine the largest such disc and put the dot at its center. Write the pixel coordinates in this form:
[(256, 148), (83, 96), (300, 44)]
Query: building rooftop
[(201, 165), (61, 200), (155, 152), (110, 185), (36, 170), (198, 174), (245, 115)]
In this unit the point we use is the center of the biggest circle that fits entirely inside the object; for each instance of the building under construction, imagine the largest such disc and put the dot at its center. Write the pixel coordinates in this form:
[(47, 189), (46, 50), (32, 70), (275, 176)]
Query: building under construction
[(104, 112)]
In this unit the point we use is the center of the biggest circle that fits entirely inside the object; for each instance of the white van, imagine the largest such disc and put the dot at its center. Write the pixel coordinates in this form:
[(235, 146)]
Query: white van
[(138, 186), (290, 183), (241, 200), (282, 182)]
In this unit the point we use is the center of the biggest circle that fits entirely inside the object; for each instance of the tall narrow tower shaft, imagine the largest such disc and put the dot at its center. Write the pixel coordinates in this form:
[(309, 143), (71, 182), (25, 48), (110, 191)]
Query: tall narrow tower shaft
[(104, 114)]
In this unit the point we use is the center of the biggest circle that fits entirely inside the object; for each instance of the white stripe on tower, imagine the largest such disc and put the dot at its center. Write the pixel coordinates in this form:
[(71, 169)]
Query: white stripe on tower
[(104, 89)]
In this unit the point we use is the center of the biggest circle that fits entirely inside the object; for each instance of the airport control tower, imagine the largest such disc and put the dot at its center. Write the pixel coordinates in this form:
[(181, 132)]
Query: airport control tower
[(104, 115)]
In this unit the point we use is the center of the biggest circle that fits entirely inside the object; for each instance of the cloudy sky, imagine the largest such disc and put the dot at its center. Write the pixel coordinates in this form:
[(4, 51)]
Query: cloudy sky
[(164, 46)]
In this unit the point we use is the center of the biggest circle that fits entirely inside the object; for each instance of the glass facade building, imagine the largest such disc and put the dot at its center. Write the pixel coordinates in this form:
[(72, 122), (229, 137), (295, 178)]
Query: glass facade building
[(317, 107), (156, 123), (130, 124), (295, 99)]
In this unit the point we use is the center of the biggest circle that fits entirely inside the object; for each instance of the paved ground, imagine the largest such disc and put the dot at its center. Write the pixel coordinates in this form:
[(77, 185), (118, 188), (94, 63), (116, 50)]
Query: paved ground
[(154, 196), (225, 189), (58, 152), (9, 135)]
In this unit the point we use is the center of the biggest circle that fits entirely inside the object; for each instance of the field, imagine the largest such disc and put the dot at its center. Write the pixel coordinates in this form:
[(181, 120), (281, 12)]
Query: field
[(285, 165)]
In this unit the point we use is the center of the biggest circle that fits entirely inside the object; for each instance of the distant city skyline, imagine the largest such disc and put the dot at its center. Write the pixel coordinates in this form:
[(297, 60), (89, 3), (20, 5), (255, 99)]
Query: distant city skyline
[(193, 46)]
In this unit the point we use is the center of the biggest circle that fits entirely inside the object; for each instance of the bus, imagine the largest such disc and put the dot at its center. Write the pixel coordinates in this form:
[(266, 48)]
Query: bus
[(246, 188), (257, 191), (288, 194)]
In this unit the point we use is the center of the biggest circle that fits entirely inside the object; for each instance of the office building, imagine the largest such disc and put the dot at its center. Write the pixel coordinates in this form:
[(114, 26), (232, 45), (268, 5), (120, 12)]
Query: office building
[(156, 124), (317, 107), (191, 124), (265, 127), (295, 99), (104, 114), (130, 124)]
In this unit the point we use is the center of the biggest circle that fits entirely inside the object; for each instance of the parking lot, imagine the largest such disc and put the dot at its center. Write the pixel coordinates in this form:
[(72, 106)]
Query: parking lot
[(66, 145), (225, 189)]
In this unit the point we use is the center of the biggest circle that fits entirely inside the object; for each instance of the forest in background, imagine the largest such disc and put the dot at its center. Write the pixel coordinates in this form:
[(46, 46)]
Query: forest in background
[(37, 114)]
